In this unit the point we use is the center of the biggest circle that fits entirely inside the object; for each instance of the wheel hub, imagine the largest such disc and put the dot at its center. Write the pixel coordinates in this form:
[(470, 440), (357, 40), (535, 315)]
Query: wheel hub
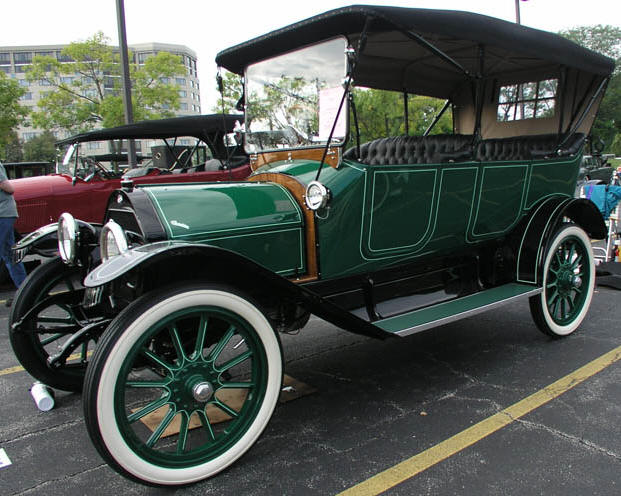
[(193, 386)]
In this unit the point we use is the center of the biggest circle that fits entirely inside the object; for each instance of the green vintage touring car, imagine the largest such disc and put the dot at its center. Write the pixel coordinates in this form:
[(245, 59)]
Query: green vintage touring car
[(382, 237)]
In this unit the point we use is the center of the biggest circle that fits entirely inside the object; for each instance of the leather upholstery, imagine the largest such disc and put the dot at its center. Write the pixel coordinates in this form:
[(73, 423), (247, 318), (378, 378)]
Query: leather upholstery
[(402, 150), (441, 148)]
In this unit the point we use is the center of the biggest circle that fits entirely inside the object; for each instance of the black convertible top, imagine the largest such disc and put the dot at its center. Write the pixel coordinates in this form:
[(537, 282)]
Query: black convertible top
[(399, 53), (203, 127)]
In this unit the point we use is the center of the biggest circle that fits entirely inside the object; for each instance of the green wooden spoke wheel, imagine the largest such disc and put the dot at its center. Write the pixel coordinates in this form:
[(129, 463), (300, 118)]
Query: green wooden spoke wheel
[(182, 384), (568, 283), (51, 334)]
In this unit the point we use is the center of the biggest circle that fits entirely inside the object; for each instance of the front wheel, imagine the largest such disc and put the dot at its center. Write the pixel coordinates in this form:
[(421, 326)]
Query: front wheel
[(182, 383), (568, 283)]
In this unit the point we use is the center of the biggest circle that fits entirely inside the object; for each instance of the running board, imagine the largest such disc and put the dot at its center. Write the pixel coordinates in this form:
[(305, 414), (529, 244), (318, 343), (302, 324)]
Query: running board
[(459, 308)]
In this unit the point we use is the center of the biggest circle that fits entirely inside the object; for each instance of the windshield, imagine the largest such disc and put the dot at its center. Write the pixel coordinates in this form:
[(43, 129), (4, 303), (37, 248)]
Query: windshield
[(292, 100), (111, 157)]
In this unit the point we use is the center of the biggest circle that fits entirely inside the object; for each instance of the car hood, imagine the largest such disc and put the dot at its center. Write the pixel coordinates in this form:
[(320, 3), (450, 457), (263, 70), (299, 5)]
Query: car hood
[(39, 186), (202, 212)]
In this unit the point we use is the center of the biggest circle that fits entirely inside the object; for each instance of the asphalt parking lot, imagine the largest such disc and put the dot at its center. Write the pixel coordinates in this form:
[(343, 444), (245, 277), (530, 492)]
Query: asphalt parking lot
[(433, 396)]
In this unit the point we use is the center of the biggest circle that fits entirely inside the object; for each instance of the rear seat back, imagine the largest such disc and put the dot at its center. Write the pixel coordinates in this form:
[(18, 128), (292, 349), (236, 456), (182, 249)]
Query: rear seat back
[(402, 150)]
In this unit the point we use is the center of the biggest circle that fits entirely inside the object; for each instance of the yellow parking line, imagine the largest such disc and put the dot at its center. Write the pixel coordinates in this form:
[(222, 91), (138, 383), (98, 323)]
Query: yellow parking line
[(418, 463)]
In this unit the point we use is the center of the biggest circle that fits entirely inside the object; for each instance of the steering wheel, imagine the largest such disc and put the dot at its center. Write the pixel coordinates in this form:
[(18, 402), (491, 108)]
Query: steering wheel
[(96, 167), (184, 152)]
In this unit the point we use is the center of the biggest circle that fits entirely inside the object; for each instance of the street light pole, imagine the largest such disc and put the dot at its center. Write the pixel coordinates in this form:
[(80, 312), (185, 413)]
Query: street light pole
[(517, 12), (127, 85)]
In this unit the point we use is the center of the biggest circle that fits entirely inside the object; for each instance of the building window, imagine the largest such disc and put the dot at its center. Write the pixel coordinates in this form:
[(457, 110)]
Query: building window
[(5, 58), (26, 96), (5, 68), (165, 80), (29, 136), (180, 81), (23, 83), (183, 93), (93, 145), (20, 69), (534, 100), (22, 57), (63, 57), (183, 106), (44, 54), (66, 79), (143, 56), (44, 82)]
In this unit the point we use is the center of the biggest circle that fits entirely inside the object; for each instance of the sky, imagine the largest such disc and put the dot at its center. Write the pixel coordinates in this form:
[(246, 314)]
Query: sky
[(208, 27)]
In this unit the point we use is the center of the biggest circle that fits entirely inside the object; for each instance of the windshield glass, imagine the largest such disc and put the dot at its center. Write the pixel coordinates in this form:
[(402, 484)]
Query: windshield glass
[(292, 100)]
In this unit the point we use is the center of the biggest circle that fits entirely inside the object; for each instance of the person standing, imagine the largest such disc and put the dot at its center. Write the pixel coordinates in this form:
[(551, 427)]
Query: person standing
[(8, 214)]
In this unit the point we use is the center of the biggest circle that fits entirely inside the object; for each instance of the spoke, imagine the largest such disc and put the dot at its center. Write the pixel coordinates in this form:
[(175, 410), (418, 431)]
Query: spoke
[(570, 304), (235, 361), (563, 313), (176, 340), (551, 284), (183, 433), (572, 252), (147, 384), (157, 433), (225, 408), (558, 259), (555, 307), (215, 353), (157, 360), (553, 298), (206, 424), (200, 337), (146, 410), (576, 263), (51, 339)]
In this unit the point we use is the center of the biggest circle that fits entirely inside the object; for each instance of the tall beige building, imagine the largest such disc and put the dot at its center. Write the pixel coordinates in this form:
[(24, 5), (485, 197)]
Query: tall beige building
[(15, 59)]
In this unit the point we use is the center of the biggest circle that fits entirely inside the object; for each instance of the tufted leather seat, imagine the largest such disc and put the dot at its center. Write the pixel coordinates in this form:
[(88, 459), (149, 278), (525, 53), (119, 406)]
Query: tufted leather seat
[(441, 148), (402, 150), (526, 147)]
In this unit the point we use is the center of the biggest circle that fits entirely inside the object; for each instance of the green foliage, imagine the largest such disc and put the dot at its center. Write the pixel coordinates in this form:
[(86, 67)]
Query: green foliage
[(40, 148), (381, 113), (605, 40), (233, 91), (76, 103), (11, 149), (11, 112)]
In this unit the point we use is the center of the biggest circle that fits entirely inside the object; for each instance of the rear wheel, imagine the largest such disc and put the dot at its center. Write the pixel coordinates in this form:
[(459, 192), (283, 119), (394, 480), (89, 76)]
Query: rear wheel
[(568, 283), (182, 384)]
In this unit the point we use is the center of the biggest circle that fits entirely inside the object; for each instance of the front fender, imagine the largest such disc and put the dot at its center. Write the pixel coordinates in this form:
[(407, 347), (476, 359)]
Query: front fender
[(43, 241)]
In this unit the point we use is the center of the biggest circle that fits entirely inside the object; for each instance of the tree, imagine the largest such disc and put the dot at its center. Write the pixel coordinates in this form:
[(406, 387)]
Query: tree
[(233, 91), (85, 88), (605, 40), (12, 148), (11, 112), (40, 148)]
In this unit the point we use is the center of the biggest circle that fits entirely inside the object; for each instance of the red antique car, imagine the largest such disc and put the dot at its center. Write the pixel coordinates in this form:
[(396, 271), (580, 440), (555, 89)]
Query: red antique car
[(181, 149)]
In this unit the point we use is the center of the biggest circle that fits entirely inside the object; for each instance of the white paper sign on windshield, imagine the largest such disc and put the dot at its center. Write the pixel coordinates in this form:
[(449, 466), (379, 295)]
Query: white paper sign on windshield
[(329, 101)]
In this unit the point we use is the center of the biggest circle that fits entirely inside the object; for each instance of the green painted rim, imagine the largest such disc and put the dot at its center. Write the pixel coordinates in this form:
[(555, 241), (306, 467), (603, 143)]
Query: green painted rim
[(568, 278), (192, 357)]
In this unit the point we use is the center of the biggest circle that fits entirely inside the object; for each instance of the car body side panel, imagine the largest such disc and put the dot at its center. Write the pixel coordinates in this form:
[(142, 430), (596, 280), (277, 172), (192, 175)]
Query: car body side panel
[(413, 211)]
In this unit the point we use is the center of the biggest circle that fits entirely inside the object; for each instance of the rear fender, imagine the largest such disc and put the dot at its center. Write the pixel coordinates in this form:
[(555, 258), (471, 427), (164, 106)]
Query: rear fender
[(167, 262), (543, 223)]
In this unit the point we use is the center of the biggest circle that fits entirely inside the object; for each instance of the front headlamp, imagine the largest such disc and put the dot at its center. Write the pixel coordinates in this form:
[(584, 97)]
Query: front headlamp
[(317, 195), (112, 241), (67, 238)]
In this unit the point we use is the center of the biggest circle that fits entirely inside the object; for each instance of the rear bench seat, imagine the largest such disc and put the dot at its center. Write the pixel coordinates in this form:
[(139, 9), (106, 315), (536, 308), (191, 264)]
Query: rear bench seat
[(441, 148)]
